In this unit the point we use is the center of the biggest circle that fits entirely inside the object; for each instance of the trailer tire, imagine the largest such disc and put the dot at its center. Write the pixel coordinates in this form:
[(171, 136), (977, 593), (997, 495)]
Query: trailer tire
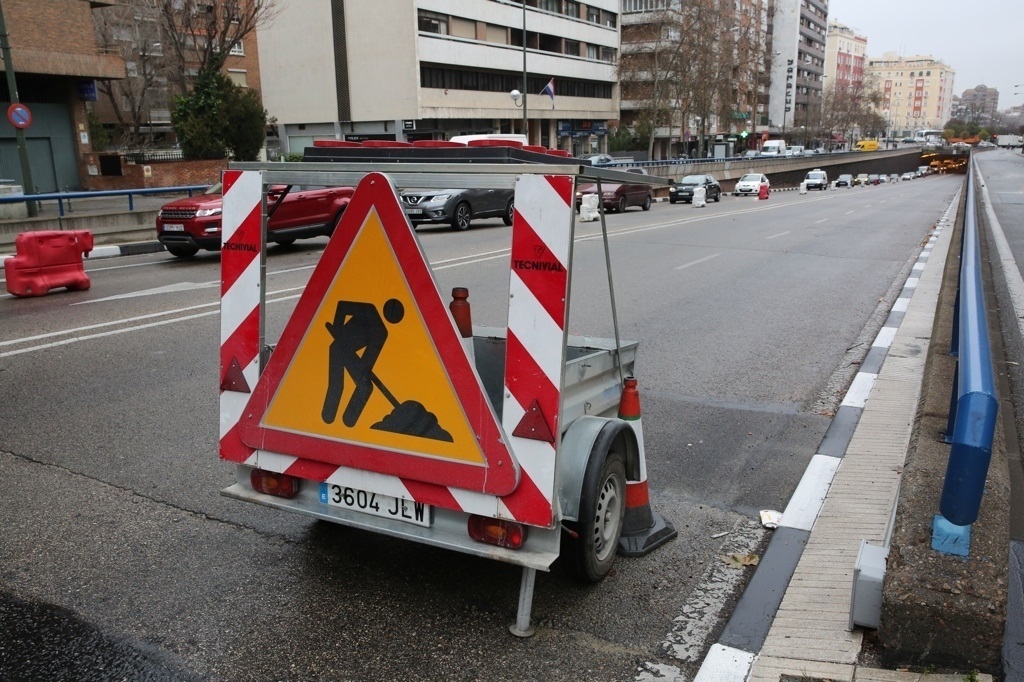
[(588, 557)]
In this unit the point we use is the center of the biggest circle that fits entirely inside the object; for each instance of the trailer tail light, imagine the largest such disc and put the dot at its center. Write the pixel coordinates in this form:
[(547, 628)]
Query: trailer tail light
[(497, 532), (270, 483)]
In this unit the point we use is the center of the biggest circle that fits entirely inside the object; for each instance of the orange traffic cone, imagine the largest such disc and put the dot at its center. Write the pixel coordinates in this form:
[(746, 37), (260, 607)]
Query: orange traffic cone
[(643, 529)]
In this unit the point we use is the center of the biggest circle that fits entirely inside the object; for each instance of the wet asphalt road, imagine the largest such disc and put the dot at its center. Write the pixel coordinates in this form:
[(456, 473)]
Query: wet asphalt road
[(120, 560)]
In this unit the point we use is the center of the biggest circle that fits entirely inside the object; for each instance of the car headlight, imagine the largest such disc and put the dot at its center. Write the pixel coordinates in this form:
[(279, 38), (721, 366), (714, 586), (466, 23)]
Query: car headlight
[(609, 195), (440, 197), (207, 212)]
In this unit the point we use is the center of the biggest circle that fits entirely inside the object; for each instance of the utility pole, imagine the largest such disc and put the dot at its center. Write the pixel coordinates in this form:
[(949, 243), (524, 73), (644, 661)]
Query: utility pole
[(12, 89)]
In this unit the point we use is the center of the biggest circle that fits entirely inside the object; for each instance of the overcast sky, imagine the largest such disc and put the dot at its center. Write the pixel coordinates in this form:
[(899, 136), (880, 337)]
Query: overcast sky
[(983, 40)]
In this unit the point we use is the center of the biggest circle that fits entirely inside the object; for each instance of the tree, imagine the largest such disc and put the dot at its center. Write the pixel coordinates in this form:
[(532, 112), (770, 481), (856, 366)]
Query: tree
[(201, 33), (132, 31), (218, 117)]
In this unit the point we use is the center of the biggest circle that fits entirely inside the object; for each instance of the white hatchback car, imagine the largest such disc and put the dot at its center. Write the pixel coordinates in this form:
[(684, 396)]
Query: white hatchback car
[(751, 184)]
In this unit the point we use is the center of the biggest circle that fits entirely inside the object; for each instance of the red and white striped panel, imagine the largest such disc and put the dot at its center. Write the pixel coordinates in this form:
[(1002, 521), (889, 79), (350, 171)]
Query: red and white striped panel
[(534, 355), (240, 262)]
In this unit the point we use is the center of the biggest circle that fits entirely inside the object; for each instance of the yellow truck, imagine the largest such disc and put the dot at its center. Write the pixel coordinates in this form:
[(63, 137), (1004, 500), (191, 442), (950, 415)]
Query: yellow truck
[(866, 146)]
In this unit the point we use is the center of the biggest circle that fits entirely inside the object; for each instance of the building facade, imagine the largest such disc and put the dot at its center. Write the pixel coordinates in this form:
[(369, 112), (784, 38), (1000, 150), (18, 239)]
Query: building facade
[(432, 69), (798, 33), (57, 64), (978, 105), (917, 92), (137, 109), (845, 57), (696, 73)]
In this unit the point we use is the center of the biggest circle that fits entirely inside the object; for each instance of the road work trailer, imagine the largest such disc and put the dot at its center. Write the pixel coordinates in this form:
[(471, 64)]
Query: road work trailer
[(522, 444)]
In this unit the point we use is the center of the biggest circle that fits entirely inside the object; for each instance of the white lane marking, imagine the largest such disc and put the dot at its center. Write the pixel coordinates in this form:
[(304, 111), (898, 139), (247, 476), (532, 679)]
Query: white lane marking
[(849, 212), (816, 222), (703, 608), (857, 395), (699, 260), (166, 289), (780, 234), (803, 507)]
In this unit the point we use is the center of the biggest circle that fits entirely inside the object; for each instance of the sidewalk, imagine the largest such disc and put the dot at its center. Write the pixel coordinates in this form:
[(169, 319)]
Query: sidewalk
[(793, 619)]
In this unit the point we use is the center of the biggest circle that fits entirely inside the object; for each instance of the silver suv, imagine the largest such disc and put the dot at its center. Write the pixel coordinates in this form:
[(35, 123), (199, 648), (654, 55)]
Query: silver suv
[(816, 179)]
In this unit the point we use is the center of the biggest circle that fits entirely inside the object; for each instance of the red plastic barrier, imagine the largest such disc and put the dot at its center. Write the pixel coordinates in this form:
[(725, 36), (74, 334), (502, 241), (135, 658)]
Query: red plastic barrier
[(335, 143), (535, 148), (385, 143), (437, 143), (496, 143), (762, 192), (48, 260)]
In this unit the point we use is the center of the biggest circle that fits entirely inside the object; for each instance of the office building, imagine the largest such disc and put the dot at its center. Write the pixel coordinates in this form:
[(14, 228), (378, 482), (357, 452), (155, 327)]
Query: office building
[(798, 33)]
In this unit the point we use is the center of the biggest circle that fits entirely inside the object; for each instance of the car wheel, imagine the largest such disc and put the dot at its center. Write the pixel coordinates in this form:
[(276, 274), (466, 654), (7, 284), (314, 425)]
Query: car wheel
[(671, 200), (180, 251), (284, 242), (510, 210), (718, 196), (590, 554), (621, 206), (647, 203), (461, 216), (337, 221)]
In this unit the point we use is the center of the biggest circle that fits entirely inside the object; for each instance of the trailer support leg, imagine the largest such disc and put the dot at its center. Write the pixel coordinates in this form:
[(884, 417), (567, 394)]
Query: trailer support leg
[(522, 625)]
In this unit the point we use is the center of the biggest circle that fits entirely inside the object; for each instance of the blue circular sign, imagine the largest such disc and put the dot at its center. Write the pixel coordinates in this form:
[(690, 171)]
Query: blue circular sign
[(19, 115)]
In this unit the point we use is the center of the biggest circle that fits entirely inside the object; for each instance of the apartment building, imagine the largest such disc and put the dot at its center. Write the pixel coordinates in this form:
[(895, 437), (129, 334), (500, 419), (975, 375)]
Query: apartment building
[(917, 91), (697, 72), (57, 64), (845, 57), (431, 69), (979, 104), (137, 109), (798, 33)]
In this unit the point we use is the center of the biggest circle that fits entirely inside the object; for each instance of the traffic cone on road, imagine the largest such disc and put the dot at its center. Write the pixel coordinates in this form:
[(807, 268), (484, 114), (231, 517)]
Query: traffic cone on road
[(643, 529)]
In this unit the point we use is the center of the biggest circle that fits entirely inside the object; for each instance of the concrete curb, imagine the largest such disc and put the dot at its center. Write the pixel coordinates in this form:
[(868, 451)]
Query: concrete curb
[(130, 249), (735, 656)]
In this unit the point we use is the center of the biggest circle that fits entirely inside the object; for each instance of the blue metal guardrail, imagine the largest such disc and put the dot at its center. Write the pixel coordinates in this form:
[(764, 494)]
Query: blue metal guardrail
[(61, 197), (973, 402)]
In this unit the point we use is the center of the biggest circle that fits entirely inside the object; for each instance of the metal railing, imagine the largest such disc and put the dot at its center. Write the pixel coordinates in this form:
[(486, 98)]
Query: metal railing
[(63, 198), (973, 402)]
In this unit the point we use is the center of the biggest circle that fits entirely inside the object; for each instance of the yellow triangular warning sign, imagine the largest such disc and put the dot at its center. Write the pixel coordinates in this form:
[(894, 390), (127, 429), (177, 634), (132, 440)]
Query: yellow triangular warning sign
[(370, 371)]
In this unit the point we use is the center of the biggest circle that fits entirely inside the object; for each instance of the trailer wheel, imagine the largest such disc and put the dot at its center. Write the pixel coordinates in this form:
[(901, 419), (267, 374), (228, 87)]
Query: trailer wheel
[(589, 556)]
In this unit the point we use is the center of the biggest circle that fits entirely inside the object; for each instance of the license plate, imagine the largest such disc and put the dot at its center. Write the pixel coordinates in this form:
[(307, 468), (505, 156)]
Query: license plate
[(376, 504), (174, 228), (414, 211)]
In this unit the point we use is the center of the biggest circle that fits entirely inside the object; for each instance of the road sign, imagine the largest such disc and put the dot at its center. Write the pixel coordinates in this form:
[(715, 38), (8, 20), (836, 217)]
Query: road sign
[(370, 371), (19, 115)]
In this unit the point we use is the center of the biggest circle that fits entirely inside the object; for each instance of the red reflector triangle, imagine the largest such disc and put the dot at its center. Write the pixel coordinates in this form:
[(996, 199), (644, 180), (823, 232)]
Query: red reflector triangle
[(534, 425), (234, 379)]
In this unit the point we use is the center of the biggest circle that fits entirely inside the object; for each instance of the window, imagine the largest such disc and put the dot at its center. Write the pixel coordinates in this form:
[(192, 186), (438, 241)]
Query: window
[(572, 47), (238, 49), (432, 22), (607, 54), (238, 77), (592, 52), (572, 9), (550, 5), (593, 14)]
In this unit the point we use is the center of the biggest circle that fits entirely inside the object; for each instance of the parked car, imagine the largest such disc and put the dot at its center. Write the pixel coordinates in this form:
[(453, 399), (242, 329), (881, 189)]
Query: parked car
[(599, 159), (751, 183), (907, 176), (882, 179), (750, 153), (457, 207), (619, 196), (185, 226), (816, 179), (844, 180), (683, 190), (894, 177), (862, 179)]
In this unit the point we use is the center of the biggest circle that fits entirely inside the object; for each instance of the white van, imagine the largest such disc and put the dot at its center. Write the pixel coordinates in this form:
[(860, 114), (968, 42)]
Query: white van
[(774, 148), (794, 150)]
